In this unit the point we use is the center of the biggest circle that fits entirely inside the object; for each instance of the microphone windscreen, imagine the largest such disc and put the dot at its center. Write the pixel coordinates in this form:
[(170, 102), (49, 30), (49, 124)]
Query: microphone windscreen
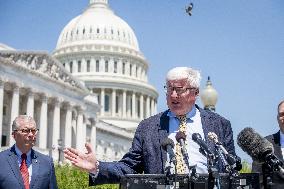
[(213, 137), (180, 135), (167, 142), (254, 145), (196, 136)]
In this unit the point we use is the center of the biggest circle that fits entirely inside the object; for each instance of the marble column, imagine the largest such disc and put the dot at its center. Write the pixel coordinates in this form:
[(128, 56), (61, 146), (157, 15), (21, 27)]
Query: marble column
[(113, 102), (84, 65), (75, 66), (14, 111), (56, 129), (148, 106), (43, 123), (93, 134), (124, 104), (68, 127), (102, 102), (152, 107), (133, 106), (79, 132), (141, 107), (1, 108), (30, 104)]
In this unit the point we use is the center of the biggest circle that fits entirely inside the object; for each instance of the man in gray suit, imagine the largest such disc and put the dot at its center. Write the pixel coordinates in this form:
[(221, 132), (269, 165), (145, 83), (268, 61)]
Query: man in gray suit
[(277, 140), (146, 154), (21, 166)]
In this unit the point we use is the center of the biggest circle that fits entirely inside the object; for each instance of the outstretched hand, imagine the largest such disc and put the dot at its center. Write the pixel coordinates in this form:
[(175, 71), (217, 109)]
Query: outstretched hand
[(84, 161)]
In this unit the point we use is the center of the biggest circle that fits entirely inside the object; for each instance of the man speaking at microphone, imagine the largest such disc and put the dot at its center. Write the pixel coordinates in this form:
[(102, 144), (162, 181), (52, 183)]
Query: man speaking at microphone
[(146, 154)]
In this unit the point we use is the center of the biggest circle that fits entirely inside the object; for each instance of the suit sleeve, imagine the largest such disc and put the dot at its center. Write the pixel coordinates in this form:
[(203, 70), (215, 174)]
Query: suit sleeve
[(131, 163), (52, 178), (228, 140)]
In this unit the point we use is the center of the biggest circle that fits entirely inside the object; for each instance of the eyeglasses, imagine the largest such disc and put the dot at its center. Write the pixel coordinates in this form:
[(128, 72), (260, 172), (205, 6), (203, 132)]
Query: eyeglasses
[(178, 90), (27, 131)]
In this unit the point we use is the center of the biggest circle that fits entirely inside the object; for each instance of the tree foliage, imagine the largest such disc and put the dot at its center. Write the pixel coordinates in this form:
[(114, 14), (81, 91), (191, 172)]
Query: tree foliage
[(246, 167), (69, 177)]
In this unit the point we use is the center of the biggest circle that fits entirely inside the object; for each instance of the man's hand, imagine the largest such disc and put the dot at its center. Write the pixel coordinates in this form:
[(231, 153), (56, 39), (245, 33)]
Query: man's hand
[(84, 161)]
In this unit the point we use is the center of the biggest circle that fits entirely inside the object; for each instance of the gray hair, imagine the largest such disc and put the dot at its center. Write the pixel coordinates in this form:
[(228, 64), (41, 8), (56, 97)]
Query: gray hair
[(22, 119), (193, 76)]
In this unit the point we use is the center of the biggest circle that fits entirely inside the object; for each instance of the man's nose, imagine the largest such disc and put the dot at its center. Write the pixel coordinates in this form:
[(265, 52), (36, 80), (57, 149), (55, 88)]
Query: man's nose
[(174, 94)]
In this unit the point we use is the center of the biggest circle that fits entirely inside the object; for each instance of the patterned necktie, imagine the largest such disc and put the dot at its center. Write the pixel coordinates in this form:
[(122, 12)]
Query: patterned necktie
[(24, 171), (180, 162)]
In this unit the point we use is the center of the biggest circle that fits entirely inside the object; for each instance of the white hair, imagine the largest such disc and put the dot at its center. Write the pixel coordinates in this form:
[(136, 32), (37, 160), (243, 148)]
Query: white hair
[(22, 119), (193, 76)]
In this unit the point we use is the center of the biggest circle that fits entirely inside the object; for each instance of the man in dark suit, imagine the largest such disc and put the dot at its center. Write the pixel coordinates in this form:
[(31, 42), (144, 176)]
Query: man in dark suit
[(21, 166), (146, 154), (277, 140)]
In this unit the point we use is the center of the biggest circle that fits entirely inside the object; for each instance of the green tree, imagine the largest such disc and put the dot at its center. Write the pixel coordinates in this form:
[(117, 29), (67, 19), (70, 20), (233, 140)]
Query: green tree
[(69, 177), (246, 167)]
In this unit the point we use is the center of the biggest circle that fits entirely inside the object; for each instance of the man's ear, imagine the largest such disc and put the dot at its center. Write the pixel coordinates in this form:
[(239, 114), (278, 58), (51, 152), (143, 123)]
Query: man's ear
[(13, 134)]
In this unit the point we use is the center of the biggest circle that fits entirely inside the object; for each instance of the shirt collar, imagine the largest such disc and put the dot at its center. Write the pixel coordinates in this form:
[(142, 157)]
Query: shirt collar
[(189, 114), (281, 139), (19, 153)]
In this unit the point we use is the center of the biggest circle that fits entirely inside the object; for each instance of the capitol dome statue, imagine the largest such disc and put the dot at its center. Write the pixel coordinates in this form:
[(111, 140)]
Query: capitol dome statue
[(101, 49)]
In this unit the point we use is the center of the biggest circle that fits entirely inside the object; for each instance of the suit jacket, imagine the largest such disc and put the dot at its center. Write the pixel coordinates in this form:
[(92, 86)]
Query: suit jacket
[(146, 155), (258, 167), (43, 175)]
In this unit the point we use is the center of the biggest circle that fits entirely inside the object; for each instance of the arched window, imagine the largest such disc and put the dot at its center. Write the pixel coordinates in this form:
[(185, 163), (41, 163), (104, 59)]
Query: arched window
[(88, 66), (71, 67), (115, 67), (123, 68), (106, 103), (79, 66), (97, 65), (116, 104), (106, 66)]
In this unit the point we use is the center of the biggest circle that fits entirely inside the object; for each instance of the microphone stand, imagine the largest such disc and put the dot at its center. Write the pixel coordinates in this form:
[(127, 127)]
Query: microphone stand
[(214, 177), (169, 175)]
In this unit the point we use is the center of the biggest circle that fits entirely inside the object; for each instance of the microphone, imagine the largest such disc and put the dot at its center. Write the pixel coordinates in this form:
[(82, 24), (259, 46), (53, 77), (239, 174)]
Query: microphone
[(196, 137), (229, 160), (181, 137), (260, 149), (168, 145)]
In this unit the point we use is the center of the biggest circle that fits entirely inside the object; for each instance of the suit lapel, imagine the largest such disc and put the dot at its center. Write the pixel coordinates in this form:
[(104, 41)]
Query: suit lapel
[(35, 171), (13, 162), (163, 130), (207, 125), (277, 145)]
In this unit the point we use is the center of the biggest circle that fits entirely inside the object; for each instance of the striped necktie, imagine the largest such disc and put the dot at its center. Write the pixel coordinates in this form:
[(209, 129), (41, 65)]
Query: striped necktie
[(180, 162), (24, 171)]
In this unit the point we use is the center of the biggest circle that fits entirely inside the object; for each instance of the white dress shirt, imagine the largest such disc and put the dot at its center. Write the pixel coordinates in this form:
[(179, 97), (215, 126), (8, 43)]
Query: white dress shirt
[(193, 126)]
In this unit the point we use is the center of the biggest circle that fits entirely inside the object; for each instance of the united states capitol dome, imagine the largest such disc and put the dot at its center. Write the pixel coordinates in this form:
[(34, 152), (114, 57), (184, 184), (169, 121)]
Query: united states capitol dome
[(97, 25), (100, 49)]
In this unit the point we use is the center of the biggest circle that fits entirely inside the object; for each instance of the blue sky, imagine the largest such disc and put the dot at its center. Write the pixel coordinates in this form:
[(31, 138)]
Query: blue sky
[(238, 43)]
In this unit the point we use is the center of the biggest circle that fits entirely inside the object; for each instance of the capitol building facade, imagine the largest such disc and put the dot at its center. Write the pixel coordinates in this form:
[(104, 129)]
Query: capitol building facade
[(92, 88)]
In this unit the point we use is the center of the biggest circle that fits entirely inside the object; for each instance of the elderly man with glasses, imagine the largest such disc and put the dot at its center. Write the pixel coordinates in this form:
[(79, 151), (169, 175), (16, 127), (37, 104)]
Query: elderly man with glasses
[(21, 166), (146, 154)]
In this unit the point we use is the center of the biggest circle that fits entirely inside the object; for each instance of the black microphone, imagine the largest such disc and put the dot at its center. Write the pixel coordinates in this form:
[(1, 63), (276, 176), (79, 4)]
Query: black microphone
[(260, 149), (181, 137), (168, 145), (196, 137)]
